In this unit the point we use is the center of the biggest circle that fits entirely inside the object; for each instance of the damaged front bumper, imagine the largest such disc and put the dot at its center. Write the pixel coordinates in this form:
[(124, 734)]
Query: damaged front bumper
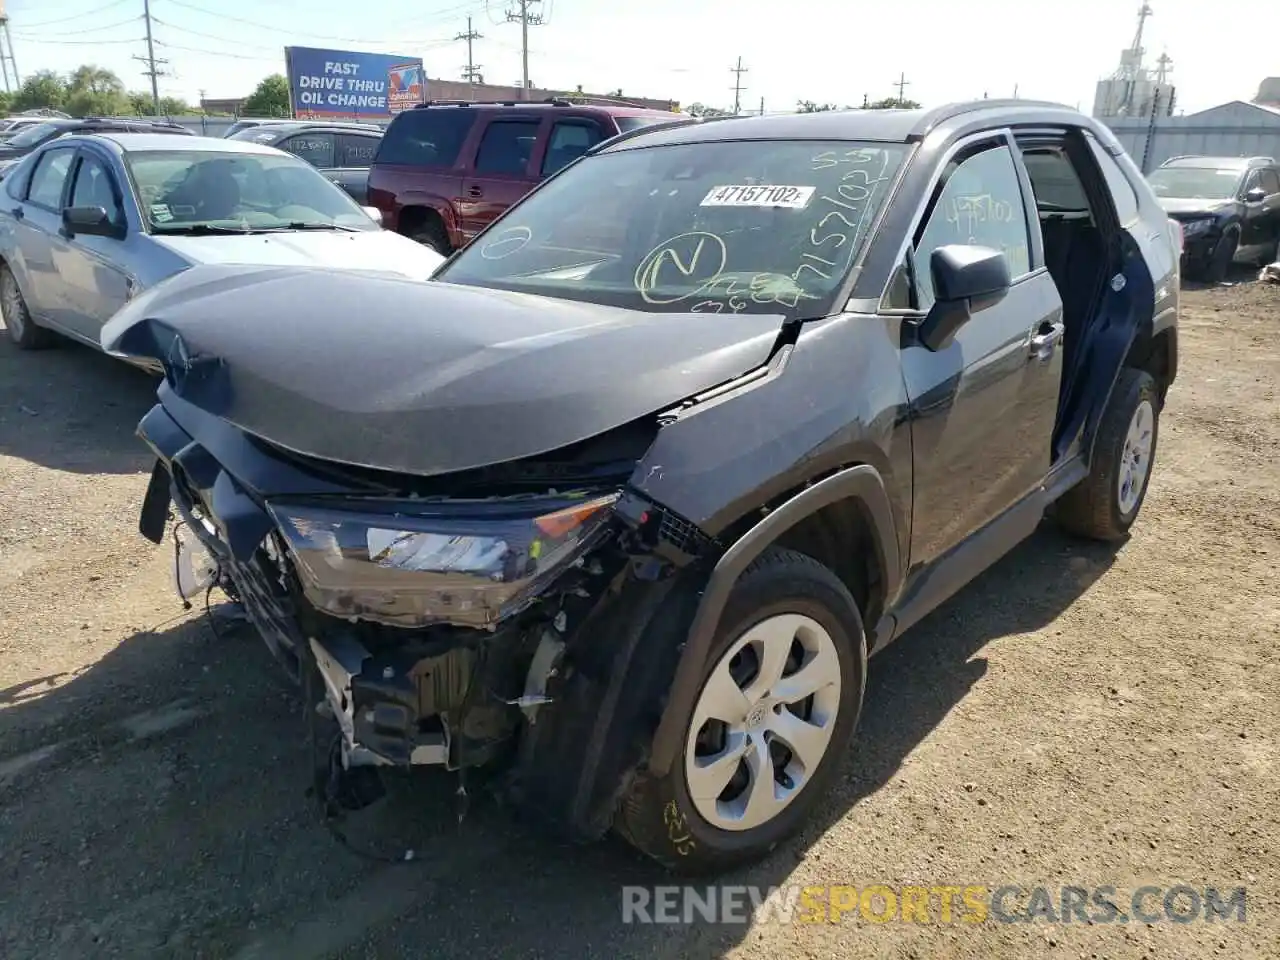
[(418, 617)]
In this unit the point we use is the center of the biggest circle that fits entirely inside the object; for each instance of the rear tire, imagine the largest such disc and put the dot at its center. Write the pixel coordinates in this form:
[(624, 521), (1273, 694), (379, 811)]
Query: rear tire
[(17, 318), (788, 605), (1106, 503), (431, 233)]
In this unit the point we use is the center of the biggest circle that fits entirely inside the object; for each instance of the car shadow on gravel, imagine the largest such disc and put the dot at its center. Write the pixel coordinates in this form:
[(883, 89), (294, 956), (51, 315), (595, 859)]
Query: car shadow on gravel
[(164, 812), (71, 408)]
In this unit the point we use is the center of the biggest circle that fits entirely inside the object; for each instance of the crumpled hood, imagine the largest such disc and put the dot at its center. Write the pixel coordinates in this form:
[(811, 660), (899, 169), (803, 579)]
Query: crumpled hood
[(1184, 208), (422, 378), (365, 250)]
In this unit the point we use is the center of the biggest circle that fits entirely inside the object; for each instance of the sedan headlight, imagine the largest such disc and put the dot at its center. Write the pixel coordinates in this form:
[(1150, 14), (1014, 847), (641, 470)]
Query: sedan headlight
[(469, 564), (1192, 228)]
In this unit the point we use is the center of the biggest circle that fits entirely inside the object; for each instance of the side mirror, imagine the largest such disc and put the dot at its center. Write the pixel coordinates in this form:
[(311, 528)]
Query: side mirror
[(374, 214), (966, 279), (90, 221), (1256, 195)]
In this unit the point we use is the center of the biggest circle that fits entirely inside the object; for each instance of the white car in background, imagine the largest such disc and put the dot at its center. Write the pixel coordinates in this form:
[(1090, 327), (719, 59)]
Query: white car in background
[(88, 222)]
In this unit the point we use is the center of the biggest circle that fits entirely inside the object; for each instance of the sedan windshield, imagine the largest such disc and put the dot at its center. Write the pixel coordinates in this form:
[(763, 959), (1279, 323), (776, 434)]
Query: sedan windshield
[(714, 227), (1195, 183), (34, 134), (193, 191)]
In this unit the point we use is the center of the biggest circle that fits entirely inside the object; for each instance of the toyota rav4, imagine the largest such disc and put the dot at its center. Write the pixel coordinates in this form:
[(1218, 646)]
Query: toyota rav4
[(620, 503)]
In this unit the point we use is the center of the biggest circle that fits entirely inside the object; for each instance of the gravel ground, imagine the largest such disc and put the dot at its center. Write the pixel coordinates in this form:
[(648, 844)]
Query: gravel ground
[(1077, 716)]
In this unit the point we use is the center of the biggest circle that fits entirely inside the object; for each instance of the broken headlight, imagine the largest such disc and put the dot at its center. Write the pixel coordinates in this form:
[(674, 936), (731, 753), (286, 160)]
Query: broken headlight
[(469, 564)]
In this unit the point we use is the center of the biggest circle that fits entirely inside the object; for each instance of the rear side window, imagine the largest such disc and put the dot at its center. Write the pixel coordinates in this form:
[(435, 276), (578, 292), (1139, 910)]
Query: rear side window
[(507, 147), (1122, 191), (430, 137), (569, 140), (1271, 182), (627, 124), (355, 150), (315, 148), (49, 177)]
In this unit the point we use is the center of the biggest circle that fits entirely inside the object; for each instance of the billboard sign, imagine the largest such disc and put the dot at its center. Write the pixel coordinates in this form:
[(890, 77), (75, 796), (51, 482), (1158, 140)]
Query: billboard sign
[(344, 83)]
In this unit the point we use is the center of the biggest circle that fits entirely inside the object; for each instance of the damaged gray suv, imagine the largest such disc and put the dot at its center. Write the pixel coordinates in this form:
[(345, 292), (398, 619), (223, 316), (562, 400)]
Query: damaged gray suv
[(618, 505)]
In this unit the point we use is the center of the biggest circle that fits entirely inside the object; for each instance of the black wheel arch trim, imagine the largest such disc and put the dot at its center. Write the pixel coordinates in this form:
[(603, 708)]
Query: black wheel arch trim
[(861, 482)]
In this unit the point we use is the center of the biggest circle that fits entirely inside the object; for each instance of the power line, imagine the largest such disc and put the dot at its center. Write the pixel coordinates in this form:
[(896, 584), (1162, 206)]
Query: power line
[(738, 71), (77, 16), (107, 26), (215, 53), (526, 20), (472, 72), (436, 17), (30, 39)]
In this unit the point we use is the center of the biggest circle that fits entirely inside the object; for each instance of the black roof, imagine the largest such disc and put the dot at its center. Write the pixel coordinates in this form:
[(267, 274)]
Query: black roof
[(889, 126)]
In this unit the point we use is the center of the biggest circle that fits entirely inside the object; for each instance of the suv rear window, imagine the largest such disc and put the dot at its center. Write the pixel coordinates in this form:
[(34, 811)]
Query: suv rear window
[(627, 124), (431, 137)]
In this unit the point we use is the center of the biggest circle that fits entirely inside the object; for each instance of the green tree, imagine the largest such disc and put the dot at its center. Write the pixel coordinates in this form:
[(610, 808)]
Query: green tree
[(270, 99), (892, 103), (43, 89), (809, 106), (141, 103), (702, 110), (96, 91), (6, 102)]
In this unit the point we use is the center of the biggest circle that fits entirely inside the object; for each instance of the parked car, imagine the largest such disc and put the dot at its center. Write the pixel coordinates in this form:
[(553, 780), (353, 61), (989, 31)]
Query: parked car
[(88, 222), (341, 151), (246, 123), (626, 495), (11, 125), (445, 171), (36, 135), (1229, 208)]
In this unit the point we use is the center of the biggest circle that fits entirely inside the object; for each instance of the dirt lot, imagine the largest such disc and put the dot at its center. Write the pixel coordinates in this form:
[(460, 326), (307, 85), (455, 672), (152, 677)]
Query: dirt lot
[(1077, 716)]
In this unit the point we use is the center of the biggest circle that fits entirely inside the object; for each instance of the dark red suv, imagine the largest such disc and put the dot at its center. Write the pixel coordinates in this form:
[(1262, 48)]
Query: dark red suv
[(445, 171)]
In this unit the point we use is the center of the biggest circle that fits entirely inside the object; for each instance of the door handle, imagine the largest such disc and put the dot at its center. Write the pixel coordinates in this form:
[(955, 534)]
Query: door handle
[(17, 213), (1044, 339), (475, 192)]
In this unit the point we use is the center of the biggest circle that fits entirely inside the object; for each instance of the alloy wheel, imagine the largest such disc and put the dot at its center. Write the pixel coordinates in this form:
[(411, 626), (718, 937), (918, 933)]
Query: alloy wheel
[(1135, 459)]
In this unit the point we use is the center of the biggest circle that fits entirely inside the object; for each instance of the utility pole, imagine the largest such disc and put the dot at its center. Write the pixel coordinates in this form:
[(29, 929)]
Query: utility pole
[(526, 20), (472, 72), (902, 85), (7, 63), (150, 59), (738, 71)]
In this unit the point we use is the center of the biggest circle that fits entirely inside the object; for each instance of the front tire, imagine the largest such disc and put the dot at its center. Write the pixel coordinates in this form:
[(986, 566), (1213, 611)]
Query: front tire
[(779, 703), (17, 318), (1106, 503), (1224, 254), (431, 233)]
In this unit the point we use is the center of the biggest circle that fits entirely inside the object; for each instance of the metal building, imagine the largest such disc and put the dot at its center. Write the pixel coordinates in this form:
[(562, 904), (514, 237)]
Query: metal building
[(1236, 129)]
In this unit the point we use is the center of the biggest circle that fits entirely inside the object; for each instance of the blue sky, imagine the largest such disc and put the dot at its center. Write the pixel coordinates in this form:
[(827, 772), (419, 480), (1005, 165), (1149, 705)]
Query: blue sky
[(825, 50)]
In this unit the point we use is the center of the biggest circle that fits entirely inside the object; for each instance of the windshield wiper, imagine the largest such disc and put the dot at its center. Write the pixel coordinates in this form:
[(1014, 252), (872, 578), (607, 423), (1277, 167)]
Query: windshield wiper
[(196, 229), (300, 225)]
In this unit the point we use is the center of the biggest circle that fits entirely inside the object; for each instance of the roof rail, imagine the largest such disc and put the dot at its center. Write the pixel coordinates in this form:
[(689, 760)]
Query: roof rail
[(553, 101)]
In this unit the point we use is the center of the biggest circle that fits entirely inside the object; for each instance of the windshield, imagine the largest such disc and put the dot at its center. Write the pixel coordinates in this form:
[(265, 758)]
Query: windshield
[(1195, 183), (756, 227), (34, 134), (183, 191), (256, 134)]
